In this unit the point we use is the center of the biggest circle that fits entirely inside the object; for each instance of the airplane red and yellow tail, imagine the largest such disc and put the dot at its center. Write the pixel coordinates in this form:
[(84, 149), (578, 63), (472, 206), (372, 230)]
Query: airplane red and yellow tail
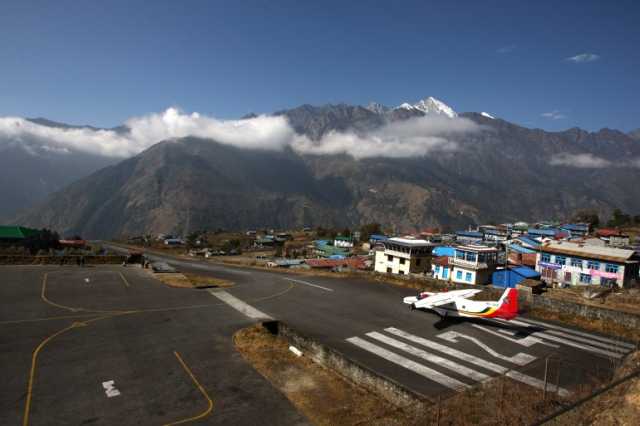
[(507, 305)]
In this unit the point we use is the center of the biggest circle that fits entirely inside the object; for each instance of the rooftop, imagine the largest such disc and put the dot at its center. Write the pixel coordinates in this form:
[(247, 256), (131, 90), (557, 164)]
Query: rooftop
[(410, 242), (16, 232), (473, 247), (588, 251)]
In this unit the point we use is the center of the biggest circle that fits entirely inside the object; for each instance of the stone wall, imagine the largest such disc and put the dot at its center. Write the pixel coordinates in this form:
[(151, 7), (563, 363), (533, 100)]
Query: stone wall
[(60, 260)]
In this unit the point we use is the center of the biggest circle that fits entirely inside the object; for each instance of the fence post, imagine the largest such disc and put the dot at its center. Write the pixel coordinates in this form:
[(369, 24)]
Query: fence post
[(438, 412), (546, 371)]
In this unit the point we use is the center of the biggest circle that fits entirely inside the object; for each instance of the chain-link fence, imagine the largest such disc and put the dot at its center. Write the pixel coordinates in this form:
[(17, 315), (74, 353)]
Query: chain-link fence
[(524, 395)]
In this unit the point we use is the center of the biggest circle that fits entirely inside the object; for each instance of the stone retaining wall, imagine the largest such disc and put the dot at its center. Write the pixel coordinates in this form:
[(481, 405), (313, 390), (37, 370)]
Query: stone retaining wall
[(60, 260)]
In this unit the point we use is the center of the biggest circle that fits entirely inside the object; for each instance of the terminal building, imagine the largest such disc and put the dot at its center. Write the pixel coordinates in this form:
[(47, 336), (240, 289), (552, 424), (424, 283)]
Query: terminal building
[(566, 263), (404, 256)]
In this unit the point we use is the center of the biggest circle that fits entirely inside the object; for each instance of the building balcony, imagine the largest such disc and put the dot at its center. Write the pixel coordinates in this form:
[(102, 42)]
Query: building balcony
[(468, 264)]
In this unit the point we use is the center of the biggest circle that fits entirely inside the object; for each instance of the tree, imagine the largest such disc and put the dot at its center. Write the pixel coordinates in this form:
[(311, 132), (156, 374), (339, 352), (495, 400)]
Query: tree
[(369, 229), (619, 219), (588, 216)]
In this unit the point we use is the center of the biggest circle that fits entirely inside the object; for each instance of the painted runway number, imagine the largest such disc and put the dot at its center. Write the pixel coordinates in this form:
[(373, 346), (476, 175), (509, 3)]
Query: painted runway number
[(110, 389)]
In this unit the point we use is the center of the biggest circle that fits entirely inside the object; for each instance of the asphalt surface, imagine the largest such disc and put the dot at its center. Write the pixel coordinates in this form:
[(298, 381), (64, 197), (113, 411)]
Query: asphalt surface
[(169, 351), (343, 313), (159, 347)]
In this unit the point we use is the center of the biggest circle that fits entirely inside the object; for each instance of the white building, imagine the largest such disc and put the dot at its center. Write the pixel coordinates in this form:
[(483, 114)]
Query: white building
[(473, 264), (343, 242), (569, 263), (403, 256)]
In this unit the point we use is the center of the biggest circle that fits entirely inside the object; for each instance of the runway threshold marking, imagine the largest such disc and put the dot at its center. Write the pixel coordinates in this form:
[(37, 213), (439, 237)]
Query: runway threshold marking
[(239, 305), (472, 359), (518, 359), (420, 369), (200, 388), (309, 284)]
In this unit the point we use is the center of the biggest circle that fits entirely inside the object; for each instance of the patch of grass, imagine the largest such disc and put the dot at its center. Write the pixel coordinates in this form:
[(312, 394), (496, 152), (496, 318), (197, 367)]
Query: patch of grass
[(188, 280)]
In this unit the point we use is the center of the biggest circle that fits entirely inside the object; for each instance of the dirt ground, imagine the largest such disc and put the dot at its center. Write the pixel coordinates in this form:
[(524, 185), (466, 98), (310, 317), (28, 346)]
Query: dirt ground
[(323, 396), (620, 406), (186, 280)]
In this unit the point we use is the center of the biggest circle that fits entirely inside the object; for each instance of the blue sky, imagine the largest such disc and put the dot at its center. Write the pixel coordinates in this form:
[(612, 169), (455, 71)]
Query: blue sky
[(98, 63)]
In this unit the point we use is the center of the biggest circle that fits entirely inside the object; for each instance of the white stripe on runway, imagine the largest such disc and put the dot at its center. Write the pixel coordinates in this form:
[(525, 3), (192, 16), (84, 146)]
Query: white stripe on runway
[(579, 333), (239, 305), (309, 284), (526, 341), (572, 343), (523, 378), (408, 364), (588, 341), (518, 359), (443, 362)]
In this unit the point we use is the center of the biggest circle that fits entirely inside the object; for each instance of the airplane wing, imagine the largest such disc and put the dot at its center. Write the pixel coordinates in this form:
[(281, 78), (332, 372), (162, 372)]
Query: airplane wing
[(440, 299)]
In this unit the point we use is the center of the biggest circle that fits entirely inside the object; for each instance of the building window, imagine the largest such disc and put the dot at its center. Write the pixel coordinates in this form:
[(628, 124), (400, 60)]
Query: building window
[(468, 277), (592, 264), (576, 263), (585, 278), (459, 275), (437, 268), (390, 258), (545, 258), (418, 262), (389, 270), (401, 261), (561, 260), (567, 277), (611, 268)]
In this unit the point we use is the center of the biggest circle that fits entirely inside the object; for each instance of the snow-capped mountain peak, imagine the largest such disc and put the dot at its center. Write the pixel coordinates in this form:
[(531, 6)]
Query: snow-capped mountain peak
[(486, 114), (430, 105), (377, 107)]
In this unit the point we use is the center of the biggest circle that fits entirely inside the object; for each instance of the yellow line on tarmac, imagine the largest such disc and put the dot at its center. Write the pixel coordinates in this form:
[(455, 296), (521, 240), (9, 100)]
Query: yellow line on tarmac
[(200, 388), (34, 360), (32, 373), (20, 321), (44, 297)]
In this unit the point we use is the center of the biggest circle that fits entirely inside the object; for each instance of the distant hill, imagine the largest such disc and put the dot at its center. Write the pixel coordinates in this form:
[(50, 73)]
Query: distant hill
[(504, 172)]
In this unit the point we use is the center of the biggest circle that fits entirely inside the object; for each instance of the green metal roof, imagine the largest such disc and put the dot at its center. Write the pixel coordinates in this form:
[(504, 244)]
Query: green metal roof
[(16, 232)]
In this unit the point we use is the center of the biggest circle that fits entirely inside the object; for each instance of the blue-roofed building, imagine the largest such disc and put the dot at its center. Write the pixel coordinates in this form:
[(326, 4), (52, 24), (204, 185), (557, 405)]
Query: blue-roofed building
[(576, 229), (521, 249), (444, 251), (377, 238), (529, 242), (548, 232), (512, 277), (469, 237)]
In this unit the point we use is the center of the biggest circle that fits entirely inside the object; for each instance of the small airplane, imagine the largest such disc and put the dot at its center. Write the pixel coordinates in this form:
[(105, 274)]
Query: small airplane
[(457, 304)]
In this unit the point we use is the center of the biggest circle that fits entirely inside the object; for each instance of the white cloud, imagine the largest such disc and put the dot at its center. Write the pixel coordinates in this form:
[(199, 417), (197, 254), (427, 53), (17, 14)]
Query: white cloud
[(553, 115), (582, 161), (261, 132), (413, 137), (583, 57), (506, 49)]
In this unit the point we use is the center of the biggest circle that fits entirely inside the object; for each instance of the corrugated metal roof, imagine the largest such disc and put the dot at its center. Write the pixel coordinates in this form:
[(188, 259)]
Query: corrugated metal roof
[(444, 251), (526, 272), (587, 251), (473, 234), (529, 241), (16, 232), (521, 249)]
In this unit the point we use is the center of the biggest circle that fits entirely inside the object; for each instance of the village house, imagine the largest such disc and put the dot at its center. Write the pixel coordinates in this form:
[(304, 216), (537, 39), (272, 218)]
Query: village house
[(613, 237), (404, 256), (343, 242), (473, 264), (576, 229), (568, 263)]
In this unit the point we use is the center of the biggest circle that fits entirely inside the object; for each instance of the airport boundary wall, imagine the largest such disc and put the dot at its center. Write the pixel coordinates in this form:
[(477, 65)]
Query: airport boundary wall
[(622, 318), (362, 376), (60, 260)]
